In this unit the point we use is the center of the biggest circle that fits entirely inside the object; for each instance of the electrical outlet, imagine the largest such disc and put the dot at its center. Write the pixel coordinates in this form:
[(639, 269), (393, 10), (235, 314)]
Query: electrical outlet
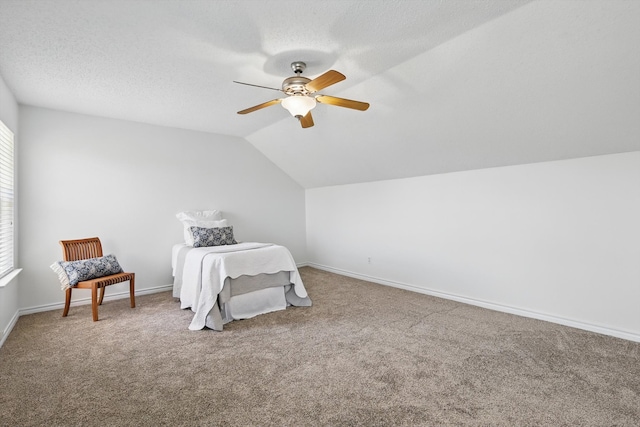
[(369, 260)]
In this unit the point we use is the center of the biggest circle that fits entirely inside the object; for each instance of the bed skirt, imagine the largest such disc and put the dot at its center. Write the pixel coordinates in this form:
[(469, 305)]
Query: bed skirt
[(250, 296)]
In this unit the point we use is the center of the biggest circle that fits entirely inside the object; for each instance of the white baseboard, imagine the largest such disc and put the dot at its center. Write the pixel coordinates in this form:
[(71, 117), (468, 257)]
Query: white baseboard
[(484, 304), (83, 301), (9, 327)]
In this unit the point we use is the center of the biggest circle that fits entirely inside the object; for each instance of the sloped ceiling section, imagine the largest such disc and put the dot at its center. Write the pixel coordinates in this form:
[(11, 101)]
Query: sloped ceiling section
[(548, 81), (453, 85)]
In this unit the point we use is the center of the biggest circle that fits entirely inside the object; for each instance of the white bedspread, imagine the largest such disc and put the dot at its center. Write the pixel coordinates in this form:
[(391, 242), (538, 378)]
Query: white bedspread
[(205, 270)]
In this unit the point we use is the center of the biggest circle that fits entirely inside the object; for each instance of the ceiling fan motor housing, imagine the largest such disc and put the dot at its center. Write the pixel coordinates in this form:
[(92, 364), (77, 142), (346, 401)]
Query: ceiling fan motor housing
[(295, 85)]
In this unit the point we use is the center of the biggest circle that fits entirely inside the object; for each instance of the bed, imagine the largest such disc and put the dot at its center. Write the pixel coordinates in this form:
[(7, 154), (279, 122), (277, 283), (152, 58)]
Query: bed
[(238, 281)]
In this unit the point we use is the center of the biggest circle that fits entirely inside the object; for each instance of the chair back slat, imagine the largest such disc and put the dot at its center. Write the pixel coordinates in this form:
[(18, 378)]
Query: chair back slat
[(74, 250)]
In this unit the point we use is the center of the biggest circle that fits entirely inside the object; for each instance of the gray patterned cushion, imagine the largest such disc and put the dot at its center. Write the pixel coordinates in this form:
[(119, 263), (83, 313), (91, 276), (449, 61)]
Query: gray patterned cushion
[(218, 236), (72, 272)]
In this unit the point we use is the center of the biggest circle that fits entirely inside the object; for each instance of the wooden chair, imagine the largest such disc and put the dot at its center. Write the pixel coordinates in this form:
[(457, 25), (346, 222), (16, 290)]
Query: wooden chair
[(74, 250)]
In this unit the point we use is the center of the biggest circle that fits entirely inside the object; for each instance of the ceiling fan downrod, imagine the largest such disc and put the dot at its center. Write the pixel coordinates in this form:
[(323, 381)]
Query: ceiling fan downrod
[(298, 67)]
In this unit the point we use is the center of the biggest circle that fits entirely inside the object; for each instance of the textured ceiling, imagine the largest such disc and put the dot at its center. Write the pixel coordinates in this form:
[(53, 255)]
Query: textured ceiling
[(453, 85)]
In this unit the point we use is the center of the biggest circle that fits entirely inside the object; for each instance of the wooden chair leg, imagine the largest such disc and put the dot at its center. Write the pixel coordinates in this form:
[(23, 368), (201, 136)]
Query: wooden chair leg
[(67, 303), (132, 288), (94, 302), (102, 289)]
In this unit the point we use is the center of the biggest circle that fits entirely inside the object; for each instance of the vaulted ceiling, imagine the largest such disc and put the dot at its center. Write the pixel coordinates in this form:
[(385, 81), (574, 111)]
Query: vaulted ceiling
[(453, 85)]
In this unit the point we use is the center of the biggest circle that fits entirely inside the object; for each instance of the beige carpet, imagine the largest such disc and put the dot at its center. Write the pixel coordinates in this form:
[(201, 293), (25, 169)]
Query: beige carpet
[(363, 355)]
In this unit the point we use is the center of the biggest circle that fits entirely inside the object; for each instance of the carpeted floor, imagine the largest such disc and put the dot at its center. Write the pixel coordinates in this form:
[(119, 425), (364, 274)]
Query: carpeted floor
[(363, 355)]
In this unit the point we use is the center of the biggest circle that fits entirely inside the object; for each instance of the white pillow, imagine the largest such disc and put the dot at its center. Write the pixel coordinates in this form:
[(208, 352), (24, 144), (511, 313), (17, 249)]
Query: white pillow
[(196, 215), (203, 219)]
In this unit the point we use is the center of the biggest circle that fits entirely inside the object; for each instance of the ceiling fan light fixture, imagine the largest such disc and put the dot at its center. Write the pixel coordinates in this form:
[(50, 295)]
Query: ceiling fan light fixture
[(299, 105)]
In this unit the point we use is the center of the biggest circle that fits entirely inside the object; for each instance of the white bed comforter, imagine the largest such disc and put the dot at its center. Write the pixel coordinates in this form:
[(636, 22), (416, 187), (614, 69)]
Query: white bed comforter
[(205, 270)]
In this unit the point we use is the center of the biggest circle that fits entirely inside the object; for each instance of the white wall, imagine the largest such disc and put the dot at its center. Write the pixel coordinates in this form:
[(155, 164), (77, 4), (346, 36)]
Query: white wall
[(556, 240), (9, 290), (83, 176)]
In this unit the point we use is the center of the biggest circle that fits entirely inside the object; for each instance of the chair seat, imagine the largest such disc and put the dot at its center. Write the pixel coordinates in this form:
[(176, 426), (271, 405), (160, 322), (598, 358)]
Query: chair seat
[(101, 282)]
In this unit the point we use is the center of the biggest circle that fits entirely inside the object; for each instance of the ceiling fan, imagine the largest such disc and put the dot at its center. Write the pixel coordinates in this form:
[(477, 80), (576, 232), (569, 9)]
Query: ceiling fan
[(302, 94)]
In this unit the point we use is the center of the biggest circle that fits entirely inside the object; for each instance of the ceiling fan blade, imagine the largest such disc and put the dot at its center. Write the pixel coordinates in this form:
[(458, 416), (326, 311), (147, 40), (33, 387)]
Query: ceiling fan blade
[(306, 121), (325, 80), (264, 87), (342, 102), (260, 106)]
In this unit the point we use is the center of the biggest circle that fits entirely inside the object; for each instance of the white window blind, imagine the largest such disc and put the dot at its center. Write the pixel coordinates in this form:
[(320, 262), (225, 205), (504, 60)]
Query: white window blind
[(6, 200)]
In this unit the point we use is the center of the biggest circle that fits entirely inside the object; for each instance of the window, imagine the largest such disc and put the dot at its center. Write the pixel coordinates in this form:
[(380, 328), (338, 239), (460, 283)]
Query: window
[(6, 200)]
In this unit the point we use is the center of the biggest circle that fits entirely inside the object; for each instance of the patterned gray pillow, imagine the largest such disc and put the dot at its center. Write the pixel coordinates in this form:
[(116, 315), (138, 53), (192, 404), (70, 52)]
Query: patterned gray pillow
[(87, 269), (218, 236)]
